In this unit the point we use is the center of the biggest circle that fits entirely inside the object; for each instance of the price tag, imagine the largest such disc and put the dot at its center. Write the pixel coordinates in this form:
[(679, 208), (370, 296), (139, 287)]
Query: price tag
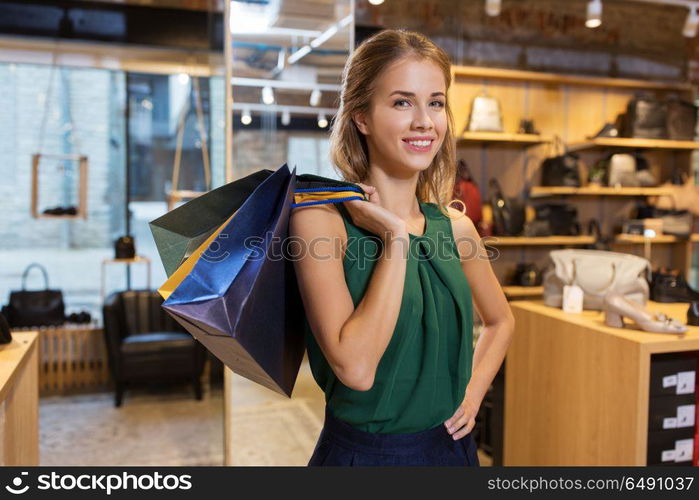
[(669, 381), (684, 450), (685, 415), (572, 299), (685, 382), (668, 456), (669, 423)]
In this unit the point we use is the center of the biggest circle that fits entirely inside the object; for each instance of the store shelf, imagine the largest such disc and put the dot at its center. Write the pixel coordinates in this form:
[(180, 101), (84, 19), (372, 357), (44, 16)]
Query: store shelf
[(523, 291), (636, 239), (562, 79), (497, 241), (631, 143), (502, 139), (543, 191), (67, 217)]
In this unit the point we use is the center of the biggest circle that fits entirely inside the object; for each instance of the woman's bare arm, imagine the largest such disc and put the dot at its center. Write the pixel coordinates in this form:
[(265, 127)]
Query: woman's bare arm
[(352, 340), (498, 322)]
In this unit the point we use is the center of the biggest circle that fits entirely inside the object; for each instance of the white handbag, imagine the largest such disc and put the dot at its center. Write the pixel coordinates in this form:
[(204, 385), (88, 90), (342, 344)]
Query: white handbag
[(485, 115), (595, 272)]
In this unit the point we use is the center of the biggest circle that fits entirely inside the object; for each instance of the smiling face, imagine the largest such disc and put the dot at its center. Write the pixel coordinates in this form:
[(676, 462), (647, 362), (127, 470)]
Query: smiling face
[(407, 123)]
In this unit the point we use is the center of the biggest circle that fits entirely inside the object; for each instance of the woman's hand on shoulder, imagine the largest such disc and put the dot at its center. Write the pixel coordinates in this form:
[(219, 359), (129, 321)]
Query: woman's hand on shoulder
[(371, 216)]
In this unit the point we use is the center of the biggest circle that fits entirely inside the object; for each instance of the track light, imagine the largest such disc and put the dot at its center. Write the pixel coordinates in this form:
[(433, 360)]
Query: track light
[(246, 118), (315, 98), (492, 7), (286, 118), (692, 23), (267, 95), (594, 14), (322, 121), (375, 2), (183, 78)]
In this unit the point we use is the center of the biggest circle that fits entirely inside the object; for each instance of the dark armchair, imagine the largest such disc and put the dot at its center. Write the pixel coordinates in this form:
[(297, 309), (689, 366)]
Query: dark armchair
[(145, 344)]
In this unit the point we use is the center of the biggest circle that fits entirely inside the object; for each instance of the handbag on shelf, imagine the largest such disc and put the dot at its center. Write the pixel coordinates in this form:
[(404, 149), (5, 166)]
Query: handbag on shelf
[(526, 274), (681, 119), (467, 192), (684, 195), (622, 171), (29, 308), (646, 117), (562, 169), (485, 115), (508, 213), (595, 272), (562, 218), (124, 248), (675, 222)]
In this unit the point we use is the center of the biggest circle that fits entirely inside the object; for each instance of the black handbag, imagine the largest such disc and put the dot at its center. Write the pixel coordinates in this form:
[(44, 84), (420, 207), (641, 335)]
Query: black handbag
[(646, 117), (508, 213), (526, 274), (681, 119), (5, 334), (124, 248), (35, 307), (561, 170), (562, 218)]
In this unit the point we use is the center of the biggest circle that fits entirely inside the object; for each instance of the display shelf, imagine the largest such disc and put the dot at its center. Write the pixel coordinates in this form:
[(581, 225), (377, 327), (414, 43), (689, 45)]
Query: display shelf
[(544, 191), (639, 239), (523, 291), (497, 241), (502, 139), (633, 143), (563, 79)]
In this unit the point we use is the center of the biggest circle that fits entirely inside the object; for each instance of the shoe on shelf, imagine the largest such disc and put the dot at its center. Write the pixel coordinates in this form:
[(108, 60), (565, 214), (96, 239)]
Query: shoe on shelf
[(669, 285), (616, 307)]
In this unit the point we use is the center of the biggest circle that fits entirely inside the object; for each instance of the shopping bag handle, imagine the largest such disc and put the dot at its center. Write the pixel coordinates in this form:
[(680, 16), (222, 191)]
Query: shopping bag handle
[(359, 196)]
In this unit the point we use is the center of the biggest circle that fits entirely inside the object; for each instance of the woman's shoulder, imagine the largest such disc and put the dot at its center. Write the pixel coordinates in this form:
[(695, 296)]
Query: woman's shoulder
[(316, 220), (461, 224)]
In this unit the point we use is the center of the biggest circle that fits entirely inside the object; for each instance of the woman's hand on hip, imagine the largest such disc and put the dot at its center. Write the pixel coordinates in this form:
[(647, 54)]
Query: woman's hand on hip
[(463, 420)]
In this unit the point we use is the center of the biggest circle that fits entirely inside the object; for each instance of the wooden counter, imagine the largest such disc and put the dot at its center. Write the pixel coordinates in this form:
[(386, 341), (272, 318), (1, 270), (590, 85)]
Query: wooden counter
[(577, 391), (19, 400)]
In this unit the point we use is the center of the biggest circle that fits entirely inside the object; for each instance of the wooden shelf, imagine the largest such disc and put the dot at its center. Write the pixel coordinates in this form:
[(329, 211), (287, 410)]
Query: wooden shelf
[(563, 79), (523, 291), (502, 138), (632, 143), (543, 191), (49, 216), (497, 241), (635, 239)]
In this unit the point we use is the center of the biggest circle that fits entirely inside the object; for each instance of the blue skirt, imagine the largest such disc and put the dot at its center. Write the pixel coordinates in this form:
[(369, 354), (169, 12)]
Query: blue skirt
[(341, 444)]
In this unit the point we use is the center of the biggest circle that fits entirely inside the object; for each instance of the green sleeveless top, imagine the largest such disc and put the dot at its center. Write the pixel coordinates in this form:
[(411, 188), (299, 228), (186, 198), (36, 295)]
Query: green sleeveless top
[(422, 376)]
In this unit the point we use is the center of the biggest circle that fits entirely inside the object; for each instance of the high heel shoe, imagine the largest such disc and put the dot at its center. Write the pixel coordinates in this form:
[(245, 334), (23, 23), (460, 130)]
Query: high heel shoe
[(616, 307)]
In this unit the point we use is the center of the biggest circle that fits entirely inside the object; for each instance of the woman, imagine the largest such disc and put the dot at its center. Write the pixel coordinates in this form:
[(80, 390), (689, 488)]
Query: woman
[(387, 283)]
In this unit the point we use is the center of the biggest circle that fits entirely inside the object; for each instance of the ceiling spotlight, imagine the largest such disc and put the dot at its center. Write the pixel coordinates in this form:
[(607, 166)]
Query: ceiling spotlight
[(691, 24), (246, 118), (594, 14), (315, 97), (375, 2), (492, 7), (286, 118), (267, 95), (183, 78), (322, 121)]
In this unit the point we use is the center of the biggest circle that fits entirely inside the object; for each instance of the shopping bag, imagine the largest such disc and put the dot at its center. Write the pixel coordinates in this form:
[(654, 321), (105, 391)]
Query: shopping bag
[(240, 298), (180, 231)]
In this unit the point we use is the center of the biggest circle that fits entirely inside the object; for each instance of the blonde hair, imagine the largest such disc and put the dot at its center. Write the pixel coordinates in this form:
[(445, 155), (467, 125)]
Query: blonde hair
[(348, 148)]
